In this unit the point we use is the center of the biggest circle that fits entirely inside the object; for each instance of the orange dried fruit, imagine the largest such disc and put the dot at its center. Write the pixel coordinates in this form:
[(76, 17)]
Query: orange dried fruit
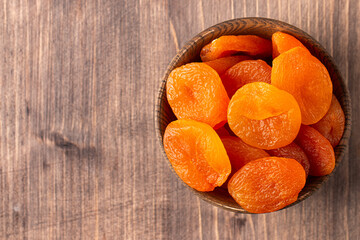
[(292, 151), (318, 150), (227, 45), (231, 133), (197, 154), (282, 42), (332, 125), (195, 91), (307, 79), (267, 184), (222, 132), (240, 153), (245, 72), (220, 65), (264, 116), (225, 131)]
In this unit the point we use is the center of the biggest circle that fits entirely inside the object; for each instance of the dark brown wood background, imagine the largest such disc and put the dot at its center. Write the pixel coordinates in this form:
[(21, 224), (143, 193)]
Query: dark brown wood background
[(78, 153)]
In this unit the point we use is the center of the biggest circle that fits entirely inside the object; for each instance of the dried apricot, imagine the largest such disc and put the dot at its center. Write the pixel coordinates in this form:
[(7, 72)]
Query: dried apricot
[(195, 91), (231, 133), (197, 154), (282, 42), (222, 132), (264, 116), (240, 153), (332, 125), (245, 72), (307, 79), (292, 151), (318, 150), (267, 184), (220, 65), (227, 45)]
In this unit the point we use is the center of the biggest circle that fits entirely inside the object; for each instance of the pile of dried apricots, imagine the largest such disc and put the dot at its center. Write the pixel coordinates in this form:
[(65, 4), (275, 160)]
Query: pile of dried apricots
[(255, 129)]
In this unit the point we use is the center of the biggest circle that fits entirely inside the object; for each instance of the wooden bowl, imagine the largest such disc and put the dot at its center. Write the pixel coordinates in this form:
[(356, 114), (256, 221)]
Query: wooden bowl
[(262, 27)]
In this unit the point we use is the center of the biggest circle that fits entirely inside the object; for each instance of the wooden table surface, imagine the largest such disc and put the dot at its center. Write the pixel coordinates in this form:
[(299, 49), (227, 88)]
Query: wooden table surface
[(78, 154)]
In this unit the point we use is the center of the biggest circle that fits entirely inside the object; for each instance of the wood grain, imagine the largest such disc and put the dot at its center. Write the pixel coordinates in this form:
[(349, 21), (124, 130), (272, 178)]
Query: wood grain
[(78, 152)]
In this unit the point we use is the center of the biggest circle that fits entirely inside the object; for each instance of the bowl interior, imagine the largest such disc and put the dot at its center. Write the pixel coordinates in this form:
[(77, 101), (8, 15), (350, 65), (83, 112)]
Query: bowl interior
[(264, 28)]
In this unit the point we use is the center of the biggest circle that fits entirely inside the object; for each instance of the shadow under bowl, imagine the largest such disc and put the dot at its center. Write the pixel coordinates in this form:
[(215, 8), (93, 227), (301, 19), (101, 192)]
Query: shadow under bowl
[(262, 27)]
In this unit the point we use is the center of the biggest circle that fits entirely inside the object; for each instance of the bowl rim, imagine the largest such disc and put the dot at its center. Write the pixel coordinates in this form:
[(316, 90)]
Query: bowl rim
[(347, 108)]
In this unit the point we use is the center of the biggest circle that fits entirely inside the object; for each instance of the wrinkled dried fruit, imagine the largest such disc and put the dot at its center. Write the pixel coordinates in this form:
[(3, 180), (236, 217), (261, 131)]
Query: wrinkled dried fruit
[(229, 130), (195, 91), (245, 72), (264, 116), (318, 150), (220, 65), (222, 132), (241, 153), (292, 151), (307, 79), (282, 42), (332, 125), (227, 45), (197, 154), (267, 184)]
